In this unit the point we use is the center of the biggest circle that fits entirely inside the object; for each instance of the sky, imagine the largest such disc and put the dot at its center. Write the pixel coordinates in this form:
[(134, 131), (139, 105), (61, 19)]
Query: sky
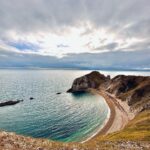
[(85, 34)]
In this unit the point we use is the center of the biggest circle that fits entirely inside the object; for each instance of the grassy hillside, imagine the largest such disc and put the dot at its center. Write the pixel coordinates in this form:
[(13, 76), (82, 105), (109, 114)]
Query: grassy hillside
[(137, 129)]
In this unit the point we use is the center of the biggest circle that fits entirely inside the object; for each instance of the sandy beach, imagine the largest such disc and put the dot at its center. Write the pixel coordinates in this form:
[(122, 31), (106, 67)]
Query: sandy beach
[(119, 113)]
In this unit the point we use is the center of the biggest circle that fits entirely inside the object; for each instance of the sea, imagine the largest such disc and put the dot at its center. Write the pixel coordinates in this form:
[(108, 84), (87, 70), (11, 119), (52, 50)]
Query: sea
[(61, 117)]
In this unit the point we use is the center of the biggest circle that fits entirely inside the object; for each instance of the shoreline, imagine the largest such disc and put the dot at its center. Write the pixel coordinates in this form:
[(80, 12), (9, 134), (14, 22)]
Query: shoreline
[(99, 129), (119, 116)]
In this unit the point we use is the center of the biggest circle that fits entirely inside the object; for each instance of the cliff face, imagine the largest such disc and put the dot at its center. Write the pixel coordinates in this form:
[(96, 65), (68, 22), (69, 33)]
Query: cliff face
[(135, 90), (122, 84), (92, 80)]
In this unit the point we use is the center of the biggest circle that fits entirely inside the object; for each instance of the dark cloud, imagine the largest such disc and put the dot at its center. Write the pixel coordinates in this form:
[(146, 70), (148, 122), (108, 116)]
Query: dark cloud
[(110, 46), (27, 15), (126, 19), (108, 60)]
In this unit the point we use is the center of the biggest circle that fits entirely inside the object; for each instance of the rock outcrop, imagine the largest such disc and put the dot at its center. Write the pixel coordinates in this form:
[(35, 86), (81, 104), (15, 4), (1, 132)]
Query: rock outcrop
[(58, 93), (135, 90), (121, 83), (7, 103), (31, 98), (91, 80)]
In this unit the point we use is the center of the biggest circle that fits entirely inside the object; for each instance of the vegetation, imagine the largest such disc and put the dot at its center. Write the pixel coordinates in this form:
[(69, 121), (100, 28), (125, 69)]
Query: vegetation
[(136, 135), (137, 129)]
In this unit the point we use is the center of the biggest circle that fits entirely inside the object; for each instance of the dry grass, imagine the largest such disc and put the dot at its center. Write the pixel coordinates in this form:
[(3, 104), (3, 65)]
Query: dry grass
[(137, 129), (136, 135)]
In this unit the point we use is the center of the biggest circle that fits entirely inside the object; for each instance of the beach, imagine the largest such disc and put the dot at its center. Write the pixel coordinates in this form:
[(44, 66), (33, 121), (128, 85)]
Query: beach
[(119, 116)]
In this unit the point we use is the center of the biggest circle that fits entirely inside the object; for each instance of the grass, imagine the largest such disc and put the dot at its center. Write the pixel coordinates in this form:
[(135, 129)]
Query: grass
[(137, 129)]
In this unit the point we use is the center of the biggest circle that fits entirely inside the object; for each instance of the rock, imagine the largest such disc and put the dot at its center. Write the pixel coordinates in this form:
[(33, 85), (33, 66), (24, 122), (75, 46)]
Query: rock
[(135, 90), (58, 93), (91, 80), (139, 94), (7, 103), (31, 98), (121, 83)]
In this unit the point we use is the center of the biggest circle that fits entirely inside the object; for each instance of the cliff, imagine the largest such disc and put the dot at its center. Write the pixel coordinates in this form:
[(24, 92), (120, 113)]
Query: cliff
[(91, 80), (135, 90)]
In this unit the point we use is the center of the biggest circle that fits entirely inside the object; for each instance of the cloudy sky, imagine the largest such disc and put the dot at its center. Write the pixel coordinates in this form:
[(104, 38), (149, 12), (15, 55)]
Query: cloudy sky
[(75, 33)]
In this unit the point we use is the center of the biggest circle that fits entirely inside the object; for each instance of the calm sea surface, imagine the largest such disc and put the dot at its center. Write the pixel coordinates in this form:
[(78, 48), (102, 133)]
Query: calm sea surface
[(63, 117)]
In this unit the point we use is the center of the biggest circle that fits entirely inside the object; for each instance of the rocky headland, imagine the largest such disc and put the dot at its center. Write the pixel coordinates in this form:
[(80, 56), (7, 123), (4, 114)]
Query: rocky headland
[(92, 80), (134, 90), (126, 96), (128, 127)]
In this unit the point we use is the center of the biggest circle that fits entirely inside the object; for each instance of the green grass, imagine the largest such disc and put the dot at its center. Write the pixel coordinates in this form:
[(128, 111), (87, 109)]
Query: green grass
[(137, 129)]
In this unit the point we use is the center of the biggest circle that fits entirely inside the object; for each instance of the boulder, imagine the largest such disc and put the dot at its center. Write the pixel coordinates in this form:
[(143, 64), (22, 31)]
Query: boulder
[(58, 93), (31, 98)]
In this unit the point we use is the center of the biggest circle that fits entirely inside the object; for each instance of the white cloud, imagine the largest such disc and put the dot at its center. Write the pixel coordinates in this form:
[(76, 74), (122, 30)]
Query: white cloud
[(60, 27)]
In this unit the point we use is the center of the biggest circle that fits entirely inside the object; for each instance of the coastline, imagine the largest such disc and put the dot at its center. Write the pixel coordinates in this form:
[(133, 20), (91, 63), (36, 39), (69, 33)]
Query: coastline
[(99, 129), (119, 115)]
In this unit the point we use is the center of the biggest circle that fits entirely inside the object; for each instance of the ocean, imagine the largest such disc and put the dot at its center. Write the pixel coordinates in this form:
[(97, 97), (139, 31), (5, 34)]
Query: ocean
[(64, 117)]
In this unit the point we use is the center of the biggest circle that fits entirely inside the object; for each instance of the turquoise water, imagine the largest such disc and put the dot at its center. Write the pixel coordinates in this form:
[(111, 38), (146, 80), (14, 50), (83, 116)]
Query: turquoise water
[(63, 117)]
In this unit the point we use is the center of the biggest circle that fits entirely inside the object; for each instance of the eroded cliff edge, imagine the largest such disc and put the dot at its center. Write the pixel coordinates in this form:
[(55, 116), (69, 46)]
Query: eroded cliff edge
[(91, 80), (134, 90)]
